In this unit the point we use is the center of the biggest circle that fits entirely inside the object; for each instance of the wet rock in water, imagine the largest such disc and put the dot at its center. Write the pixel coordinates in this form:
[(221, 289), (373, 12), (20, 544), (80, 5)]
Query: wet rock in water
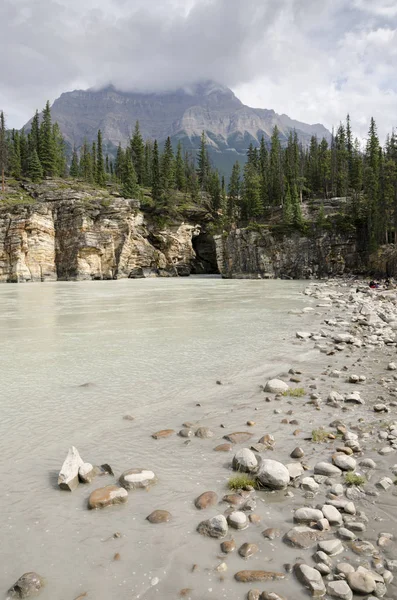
[(128, 418), (215, 527), (344, 462), (363, 548), (271, 596), (295, 470), (271, 533), (185, 592), (392, 366), (68, 478), (247, 550), (248, 576), (204, 433), (309, 484), (134, 479), (106, 470), (186, 432), (307, 515), (304, 537), (29, 584), (332, 514), (159, 516), (339, 589), (228, 546), (253, 595), (297, 453), (107, 496), (276, 386), (235, 499), (238, 437), (273, 474), (251, 423), (327, 469), (363, 583), (223, 448), (238, 520), (245, 461), (331, 547), (86, 473), (117, 556), (164, 433), (254, 518), (206, 500), (311, 579), (346, 534), (385, 483)]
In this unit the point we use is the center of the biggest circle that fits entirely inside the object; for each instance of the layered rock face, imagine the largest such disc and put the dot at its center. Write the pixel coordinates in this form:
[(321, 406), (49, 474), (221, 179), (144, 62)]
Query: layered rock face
[(245, 253), (78, 238)]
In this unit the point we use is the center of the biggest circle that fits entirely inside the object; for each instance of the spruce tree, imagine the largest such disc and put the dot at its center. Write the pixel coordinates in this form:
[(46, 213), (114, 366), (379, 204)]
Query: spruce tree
[(147, 180), (35, 170), (74, 165), (24, 147), (100, 177), (215, 191), (275, 175), (119, 163), (86, 164), (296, 208), (251, 206), (60, 151), (94, 161), (3, 150), (47, 148), (129, 187), (264, 172)]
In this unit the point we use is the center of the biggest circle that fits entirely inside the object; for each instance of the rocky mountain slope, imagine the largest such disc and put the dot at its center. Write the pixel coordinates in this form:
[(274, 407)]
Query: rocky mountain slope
[(183, 115)]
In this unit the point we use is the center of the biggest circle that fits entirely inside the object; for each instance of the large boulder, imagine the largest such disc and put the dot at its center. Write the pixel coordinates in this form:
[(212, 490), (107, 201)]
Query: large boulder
[(273, 474), (68, 478), (276, 386), (311, 579)]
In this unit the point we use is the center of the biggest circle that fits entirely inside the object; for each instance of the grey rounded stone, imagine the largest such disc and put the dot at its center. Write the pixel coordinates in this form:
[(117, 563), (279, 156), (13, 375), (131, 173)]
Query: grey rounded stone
[(238, 520), (362, 583), (215, 527), (344, 462), (327, 469), (332, 514), (276, 386), (137, 478), (245, 460), (307, 515), (273, 474), (339, 589)]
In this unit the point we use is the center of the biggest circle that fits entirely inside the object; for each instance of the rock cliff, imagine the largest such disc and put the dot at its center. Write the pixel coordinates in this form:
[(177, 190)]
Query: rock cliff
[(246, 253), (68, 235)]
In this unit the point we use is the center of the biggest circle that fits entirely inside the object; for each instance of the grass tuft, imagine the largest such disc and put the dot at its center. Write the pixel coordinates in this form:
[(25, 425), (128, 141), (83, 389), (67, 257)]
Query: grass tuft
[(295, 392), (353, 479), (320, 435), (240, 481)]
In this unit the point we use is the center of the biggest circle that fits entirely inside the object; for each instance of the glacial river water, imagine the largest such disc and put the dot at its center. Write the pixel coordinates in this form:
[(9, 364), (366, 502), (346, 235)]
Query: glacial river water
[(75, 358)]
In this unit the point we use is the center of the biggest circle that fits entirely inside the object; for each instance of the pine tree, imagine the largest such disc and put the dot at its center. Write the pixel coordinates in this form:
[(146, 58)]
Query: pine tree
[(156, 181), (74, 165), (119, 163), (3, 150), (264, 172), (94, 161), (100, 177), (130, 187), (24, 147), (180, 175), (288, 212), (15, 162), (215, 191), (138, 154), (35, 170), (251, 205), (203, 163), (324, 167), (275, 175), (167, 171), (296, 207), (107, 165), (371, 184), (35, 132), (234, 192), (86, 164), (47, 148), (223, 196), (147, 180), (60, 151), (342, 162)]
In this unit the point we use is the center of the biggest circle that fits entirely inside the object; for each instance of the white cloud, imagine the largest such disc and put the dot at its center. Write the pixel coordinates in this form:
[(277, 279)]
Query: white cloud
[(313, 60)]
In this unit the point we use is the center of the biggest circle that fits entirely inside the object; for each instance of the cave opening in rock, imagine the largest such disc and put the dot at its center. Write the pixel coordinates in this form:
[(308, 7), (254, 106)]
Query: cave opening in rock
[(205, 250)]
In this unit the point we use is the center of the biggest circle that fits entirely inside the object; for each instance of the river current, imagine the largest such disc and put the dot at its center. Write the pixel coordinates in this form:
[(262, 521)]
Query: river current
[(77, 357)]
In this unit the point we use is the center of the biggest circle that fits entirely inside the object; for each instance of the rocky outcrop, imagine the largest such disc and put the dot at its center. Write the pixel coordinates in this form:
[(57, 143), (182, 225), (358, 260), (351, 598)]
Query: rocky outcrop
[(68, 235), (249, 253)]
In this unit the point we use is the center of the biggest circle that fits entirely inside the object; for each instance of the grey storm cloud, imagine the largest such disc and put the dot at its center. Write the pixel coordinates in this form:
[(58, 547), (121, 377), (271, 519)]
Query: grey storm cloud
[(313, 60)]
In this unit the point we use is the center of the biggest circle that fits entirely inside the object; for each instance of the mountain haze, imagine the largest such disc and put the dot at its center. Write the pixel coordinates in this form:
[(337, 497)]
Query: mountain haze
[(183, 114)]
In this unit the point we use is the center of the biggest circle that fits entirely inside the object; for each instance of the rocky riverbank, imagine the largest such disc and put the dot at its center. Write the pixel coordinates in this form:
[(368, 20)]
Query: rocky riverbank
[(303, 500)]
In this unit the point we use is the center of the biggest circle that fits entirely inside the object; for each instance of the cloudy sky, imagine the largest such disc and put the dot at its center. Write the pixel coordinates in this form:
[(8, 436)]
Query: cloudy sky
[(314, 60)]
